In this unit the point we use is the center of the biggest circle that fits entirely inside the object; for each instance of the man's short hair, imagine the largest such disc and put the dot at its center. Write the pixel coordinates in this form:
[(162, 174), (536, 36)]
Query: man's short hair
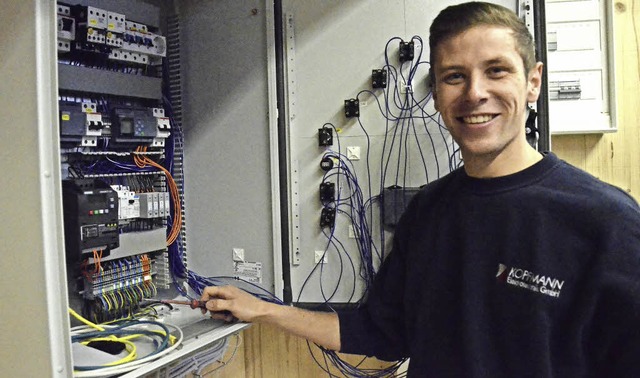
[(458, 18)]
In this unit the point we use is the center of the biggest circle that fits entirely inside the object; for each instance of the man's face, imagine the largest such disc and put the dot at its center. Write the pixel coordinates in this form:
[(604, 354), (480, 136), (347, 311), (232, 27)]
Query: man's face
[(482, 90)]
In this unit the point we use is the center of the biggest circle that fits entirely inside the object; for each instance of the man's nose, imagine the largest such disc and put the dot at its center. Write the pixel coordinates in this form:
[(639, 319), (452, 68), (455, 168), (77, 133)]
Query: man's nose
[(476, 89)]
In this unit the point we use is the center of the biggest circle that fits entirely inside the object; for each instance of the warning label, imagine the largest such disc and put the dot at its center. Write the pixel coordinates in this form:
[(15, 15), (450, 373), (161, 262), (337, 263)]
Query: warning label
[(249, 271)]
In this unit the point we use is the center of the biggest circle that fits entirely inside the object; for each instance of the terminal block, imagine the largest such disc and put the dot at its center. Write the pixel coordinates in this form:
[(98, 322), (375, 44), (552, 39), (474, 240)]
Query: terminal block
[(325, 136), (351, 108), (327, 217), (406, 51), (379, 78), (327, 192)]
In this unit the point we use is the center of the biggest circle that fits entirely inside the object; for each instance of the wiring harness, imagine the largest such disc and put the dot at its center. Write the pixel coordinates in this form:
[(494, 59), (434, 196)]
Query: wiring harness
[(124, 331), (412, 132)]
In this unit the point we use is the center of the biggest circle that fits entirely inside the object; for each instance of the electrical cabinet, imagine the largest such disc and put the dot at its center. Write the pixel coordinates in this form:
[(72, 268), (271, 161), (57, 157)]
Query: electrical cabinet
[(81, 91), (582, 86)]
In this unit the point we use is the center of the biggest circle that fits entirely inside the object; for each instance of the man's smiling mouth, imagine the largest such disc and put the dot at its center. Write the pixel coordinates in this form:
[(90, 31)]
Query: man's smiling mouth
[(477, 118)]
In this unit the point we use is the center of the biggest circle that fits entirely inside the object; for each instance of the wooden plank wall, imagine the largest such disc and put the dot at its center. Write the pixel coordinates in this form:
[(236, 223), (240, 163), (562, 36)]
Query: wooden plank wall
[(615, 158)]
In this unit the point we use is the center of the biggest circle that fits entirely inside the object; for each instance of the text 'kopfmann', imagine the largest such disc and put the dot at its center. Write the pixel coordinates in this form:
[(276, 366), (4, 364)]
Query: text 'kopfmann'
[(535, 282)]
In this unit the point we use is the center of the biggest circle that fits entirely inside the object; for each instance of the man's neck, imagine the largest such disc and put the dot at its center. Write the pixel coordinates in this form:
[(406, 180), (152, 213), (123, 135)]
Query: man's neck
[(502, 164)]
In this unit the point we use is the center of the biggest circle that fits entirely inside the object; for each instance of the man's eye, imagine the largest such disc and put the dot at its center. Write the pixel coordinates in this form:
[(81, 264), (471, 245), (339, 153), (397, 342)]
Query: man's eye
[(497, 71), (453, 78)]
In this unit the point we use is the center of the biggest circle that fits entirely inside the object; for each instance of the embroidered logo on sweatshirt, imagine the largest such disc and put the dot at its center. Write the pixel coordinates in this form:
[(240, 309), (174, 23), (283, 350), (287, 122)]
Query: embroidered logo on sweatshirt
[(528, 280)]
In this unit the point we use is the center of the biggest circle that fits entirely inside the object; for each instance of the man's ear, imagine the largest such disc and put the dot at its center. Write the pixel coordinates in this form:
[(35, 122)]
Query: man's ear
[(435, 98), (534, 82), (431, 85)]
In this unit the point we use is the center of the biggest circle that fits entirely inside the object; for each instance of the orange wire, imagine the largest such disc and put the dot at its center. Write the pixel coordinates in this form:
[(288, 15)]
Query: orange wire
[(141, 162), (95, 261), (97, 257)]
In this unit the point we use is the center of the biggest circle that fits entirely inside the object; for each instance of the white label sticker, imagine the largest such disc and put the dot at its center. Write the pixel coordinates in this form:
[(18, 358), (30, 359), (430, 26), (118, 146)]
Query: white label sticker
[(249, 271)]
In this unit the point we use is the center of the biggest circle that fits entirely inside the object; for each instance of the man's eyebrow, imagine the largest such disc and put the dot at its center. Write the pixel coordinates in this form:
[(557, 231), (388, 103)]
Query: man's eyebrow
[(452, 67), (498, 60), (489, 62)]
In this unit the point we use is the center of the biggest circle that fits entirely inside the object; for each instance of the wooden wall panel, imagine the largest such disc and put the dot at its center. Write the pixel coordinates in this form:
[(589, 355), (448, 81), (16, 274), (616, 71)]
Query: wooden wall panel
[(615, 158), (266, 351)]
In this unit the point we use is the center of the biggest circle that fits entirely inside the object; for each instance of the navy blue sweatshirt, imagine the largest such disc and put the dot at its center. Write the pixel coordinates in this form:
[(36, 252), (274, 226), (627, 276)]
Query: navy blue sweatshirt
[(535, 274)]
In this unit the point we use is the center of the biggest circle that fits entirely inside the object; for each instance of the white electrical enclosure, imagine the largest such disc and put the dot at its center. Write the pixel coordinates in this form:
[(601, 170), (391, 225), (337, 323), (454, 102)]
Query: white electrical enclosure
[(580, 66), (229, 161), (331, 49)]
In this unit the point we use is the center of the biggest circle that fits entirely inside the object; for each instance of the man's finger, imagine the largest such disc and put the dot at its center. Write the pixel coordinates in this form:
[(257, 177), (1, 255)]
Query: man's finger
[(222, 316), (215, 292), (210, 292), (217, 305)]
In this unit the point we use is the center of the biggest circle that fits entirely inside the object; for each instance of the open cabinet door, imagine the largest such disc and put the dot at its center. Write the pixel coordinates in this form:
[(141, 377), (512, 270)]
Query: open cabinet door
[(34, 310), (362, 134)]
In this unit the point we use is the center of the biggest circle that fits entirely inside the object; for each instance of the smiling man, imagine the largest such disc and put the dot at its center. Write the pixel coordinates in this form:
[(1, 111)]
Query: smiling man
[(482, 88), (517, 264)]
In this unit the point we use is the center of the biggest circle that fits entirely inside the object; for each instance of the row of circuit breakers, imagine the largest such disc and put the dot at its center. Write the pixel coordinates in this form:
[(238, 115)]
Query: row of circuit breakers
[(82, 124), (86, 28), (88, 33)]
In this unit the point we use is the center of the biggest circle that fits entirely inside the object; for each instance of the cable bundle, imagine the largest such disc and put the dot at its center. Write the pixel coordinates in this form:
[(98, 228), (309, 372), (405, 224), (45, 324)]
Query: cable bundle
[(124, 332), (197, 363), (350, 370)]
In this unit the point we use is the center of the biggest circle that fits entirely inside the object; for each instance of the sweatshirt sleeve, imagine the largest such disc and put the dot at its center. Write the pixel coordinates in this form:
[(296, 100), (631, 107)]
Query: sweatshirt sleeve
[(378, 327)]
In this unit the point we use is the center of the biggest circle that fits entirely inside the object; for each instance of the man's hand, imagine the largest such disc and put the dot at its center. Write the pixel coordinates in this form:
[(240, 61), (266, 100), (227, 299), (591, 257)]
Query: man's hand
[(227, 302)]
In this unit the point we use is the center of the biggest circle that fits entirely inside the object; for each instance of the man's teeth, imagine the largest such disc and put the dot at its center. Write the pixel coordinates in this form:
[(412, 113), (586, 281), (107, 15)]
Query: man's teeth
[(477, 118)]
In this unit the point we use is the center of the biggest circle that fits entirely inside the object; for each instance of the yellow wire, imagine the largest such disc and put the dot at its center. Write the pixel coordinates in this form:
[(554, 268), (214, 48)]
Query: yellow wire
[(138, 289), (128, 294), (154, 289), (114, 300), (119, 294), (105, 296), (85, 321)]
